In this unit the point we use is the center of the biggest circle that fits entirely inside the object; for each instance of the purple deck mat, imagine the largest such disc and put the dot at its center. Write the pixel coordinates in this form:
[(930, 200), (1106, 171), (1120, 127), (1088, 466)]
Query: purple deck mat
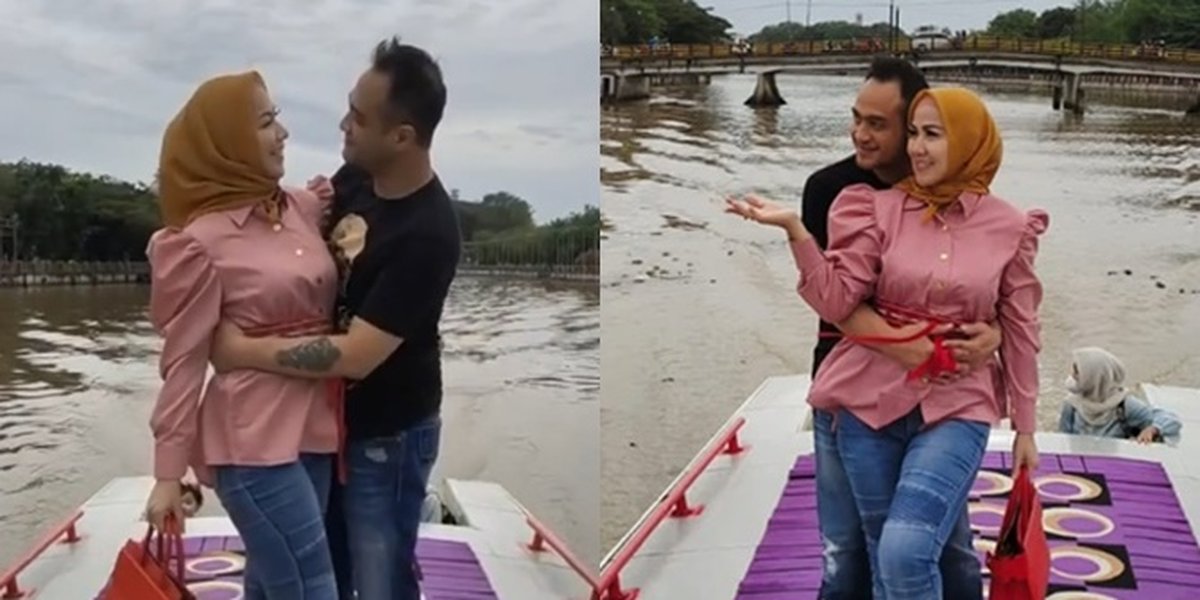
[(1115, 528), (449, 569)]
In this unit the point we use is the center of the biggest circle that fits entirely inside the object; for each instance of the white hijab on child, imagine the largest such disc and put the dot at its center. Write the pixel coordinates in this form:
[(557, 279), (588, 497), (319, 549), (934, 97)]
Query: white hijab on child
[(1099, 387)]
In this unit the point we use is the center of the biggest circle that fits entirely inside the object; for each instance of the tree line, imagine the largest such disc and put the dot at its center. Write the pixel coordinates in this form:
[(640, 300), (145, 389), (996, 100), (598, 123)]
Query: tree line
[(675, 21), (49, 212), (1174, 23)]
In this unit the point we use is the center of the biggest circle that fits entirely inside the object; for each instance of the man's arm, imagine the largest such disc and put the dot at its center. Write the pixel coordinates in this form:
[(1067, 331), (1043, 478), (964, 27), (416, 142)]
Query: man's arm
[(865, 322), (983, 340), (353, 354), (398, 304)]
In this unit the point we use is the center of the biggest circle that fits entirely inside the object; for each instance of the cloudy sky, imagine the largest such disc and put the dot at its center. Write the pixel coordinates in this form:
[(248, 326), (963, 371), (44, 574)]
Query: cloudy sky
[(91, 84), (749, 16)]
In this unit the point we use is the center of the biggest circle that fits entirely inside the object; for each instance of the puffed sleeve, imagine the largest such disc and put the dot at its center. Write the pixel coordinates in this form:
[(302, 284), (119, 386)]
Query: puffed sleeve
[(185, 306), (1020, 299), (836, 281), (314, 201)]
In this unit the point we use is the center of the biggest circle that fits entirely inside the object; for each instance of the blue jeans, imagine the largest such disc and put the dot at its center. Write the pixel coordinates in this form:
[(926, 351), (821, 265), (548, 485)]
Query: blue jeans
[(381, 510), (279, 512), (910, 484), (847, 574)]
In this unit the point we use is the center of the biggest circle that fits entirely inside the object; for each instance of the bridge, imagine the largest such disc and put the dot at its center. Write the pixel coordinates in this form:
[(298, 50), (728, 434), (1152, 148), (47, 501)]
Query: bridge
[(629, 72)]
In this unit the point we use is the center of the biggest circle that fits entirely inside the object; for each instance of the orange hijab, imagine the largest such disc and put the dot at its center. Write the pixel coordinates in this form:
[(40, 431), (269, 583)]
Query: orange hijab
[(974, 150), (210, 159)]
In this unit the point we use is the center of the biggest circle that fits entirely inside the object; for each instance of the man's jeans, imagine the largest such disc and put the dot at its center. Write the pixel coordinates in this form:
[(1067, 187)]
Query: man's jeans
[(380, 510), (847, 574)]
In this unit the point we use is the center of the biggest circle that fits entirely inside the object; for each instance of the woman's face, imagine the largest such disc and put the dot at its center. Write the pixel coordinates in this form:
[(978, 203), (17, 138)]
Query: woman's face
[(928, 147), (270, 132)]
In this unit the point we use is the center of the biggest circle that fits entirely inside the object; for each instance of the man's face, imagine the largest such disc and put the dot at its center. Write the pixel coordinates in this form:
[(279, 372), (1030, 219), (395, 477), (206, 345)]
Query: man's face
[(371, 136), (879, 126)]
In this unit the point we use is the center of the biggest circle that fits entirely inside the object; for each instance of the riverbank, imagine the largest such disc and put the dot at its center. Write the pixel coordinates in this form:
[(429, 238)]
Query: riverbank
[(70, 273)]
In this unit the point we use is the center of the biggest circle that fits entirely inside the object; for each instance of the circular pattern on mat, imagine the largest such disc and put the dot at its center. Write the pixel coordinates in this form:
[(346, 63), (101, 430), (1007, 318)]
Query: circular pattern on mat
[(1104, 565), (1084, 489), (992, 484), (983, 508), (984, 545), (217, 590), (1059, 522), (1078, 596), (217, 564)]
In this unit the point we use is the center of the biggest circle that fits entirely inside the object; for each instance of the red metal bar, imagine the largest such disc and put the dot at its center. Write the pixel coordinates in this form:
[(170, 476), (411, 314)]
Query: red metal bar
[(673, 504), (543, 537), (8, 581)]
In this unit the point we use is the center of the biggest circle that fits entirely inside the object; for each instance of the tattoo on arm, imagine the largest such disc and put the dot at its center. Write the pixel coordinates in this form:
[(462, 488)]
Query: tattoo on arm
[(317, 356)]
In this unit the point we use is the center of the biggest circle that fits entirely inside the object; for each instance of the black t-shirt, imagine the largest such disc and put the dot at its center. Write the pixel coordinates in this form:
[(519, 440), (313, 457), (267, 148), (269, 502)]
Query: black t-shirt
[(821, 189), (397, 258)]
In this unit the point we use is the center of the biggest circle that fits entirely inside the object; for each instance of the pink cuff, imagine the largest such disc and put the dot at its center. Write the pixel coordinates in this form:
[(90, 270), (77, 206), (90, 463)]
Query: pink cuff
[(170, 461), (1024, 418), (807, 255)]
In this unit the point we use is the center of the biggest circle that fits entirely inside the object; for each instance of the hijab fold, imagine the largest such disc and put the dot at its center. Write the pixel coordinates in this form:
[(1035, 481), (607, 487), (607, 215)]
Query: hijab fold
[(974, 152), (1100, 386), (211, 159)]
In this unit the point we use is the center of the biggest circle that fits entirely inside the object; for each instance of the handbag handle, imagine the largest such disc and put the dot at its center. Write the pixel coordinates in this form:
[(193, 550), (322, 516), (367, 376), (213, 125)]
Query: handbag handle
[(166, 547)]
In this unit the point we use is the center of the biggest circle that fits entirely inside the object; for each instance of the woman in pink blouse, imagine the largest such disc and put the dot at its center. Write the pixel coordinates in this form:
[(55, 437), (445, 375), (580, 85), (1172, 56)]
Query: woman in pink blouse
[(236, 246), (940, 249)]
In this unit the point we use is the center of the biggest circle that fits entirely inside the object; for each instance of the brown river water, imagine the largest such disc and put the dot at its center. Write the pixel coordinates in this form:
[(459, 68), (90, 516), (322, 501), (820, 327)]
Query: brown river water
[(78, 377), (699, 307)]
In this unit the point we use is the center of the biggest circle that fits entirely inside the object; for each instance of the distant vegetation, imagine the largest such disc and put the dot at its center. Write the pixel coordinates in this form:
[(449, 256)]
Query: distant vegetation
[(1176, 23), (58, 214), (830, 30), (675, 21)]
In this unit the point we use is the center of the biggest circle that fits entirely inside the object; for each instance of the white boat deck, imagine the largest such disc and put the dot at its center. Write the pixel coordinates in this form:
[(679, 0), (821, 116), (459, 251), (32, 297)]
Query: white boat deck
[(497, 534), (708, 555)]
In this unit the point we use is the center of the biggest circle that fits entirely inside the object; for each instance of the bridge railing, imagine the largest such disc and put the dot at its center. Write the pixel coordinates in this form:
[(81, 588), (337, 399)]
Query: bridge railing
[(973, 43)]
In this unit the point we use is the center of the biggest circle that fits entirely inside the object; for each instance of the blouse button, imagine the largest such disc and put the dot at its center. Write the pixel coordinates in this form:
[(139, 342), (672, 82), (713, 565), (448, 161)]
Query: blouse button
[(944, 256), (277, 227), (299, 252)]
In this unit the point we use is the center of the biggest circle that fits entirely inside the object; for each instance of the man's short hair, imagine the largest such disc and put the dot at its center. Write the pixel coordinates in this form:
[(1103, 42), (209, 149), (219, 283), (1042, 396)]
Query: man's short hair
[(886, 69), (416, 92)]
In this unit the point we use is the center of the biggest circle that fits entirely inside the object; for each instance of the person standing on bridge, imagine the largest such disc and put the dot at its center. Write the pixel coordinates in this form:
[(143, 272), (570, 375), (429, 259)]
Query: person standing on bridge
[(879, 134), (396, 232), (237, 246), (936, 249)]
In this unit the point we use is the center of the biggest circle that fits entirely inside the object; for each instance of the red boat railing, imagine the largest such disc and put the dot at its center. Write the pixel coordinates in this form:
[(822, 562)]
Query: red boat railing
[(544, 539), (8, 580), (673, 504)]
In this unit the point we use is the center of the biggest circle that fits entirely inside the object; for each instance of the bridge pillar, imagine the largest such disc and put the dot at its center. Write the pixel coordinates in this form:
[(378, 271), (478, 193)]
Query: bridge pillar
[(621, 87), (1074, 100), (766, 92)]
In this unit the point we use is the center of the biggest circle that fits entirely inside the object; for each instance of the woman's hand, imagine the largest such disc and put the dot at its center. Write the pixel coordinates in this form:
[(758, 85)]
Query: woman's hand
[(767, 212), (1147, 435), (1025, 453), (166, 499)]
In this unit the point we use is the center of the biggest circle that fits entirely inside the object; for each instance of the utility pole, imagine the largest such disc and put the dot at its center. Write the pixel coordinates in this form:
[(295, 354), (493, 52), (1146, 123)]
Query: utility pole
[(808, 15), (891, 26), (789, 12)]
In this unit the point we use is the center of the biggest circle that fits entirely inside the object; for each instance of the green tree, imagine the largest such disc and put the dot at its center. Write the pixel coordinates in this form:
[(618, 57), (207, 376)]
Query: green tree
[(1014, 23), (827, 30), (1056, 23), (677, 21), (72, 216)]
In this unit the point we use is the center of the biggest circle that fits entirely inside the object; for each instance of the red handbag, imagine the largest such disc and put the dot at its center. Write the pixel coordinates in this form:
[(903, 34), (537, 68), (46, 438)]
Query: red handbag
[(1020, 564), (142, 575)]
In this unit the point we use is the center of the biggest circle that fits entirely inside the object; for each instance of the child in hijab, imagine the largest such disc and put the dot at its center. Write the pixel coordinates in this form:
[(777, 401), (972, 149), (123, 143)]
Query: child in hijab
[(1099, 404)]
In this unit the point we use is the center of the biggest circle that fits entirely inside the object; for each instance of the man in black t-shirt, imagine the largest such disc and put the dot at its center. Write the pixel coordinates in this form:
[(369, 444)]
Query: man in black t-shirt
[(394, 232), (880, 160)]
